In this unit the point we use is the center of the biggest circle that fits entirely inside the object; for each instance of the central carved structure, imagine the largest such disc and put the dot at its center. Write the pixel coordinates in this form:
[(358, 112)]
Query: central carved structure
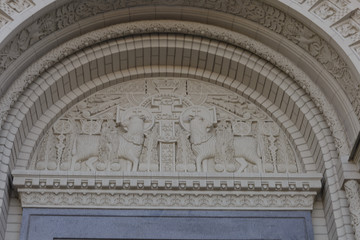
[(166, 125)]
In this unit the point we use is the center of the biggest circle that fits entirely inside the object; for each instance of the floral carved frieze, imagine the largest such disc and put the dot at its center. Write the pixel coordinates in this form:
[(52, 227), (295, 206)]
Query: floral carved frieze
[(169, 200), (166, 125), (200, 190)]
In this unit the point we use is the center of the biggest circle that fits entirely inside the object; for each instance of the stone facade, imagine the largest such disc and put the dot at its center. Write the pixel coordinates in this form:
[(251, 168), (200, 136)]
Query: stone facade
[(244, 105)]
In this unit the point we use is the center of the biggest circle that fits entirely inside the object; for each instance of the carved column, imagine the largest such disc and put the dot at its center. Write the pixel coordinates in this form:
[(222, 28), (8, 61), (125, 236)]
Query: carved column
[(353, 196), (167, 146)]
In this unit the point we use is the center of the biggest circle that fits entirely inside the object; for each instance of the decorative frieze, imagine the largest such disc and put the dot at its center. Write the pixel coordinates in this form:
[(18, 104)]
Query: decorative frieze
[(331, 10), (169, 200), (349, 27), (184, 190), (19, 5), (325, 10), (9, 8), (356, 49)]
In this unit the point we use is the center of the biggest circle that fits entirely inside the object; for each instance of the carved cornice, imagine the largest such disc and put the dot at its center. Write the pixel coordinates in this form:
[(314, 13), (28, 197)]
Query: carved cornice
[(183, 190), (169, 200)]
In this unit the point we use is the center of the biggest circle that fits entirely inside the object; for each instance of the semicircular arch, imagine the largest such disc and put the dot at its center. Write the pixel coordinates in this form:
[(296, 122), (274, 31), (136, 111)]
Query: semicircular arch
[(201, 58)]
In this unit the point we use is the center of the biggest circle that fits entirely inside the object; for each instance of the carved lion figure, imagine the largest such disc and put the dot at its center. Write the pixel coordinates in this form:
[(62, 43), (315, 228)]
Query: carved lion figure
[(205, 145), (131, 143)]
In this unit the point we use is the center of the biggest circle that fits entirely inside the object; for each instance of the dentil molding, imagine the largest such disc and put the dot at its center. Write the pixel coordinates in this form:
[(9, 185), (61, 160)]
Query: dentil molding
[(168, 191)]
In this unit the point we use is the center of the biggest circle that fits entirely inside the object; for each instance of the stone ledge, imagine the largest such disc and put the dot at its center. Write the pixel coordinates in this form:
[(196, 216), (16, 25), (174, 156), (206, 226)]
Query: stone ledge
[(29, 179), (168, 200), (166, 190)]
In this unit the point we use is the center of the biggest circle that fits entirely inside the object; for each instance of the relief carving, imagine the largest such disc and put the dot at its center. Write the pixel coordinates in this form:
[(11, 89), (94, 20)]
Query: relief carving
[(165, 125), (19, 5), (218, 143), (135, 121), (258, 12), (325, 10), (347, 29), (4, 19)]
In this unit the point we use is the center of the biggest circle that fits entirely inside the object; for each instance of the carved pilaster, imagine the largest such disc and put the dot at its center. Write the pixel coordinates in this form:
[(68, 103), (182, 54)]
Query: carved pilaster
[(353, 196)]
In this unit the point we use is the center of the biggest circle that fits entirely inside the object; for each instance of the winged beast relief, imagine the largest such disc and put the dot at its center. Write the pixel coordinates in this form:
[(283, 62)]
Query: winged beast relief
[(218, 142), (165, 125)]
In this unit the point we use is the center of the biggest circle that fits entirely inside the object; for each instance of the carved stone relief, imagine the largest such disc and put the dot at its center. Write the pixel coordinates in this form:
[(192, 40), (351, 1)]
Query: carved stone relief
[(356, 48), (325, 10), (347, 29), (9, 8), (258, 12), (4, 19), (331, 10), (19, 5), (166, 125), (5, 9)]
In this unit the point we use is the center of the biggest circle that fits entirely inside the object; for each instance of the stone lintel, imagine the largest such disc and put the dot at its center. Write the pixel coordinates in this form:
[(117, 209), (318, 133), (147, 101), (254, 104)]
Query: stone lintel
[(169, 191)]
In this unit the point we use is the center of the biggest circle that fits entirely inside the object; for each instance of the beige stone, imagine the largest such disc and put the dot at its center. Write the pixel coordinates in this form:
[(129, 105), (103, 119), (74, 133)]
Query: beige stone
[(298, 67)]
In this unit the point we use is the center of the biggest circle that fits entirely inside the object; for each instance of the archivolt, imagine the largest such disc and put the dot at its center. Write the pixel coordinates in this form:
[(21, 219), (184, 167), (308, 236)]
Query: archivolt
[(186, 28), (256, 18)]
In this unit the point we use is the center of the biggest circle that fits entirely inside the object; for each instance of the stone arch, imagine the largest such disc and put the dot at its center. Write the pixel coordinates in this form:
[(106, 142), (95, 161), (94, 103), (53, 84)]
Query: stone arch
[(259, 67), (239, 23), (69, 65), (326, 79)]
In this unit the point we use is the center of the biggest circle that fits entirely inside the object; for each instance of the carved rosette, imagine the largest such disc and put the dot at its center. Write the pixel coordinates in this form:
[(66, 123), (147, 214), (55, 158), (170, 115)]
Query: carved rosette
[(166, 125), (353, 196)]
